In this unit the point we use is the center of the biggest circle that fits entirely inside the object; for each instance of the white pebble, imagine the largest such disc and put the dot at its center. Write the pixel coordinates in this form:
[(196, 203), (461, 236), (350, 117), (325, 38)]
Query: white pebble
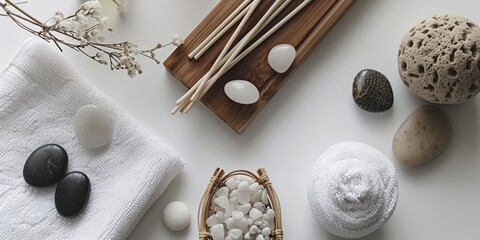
[(235, 233), (229, 210), (247, 237), (258, 223), (232, 183), (265, 197), (267, 237), (266, 231), (176, 216), (254, 187), (92, 126), (259, 205), (270, 215), (243, 186), (260, 237), (243, 178), (234, 193), (230, 223), (237, 216), (257, 197), (255, 214), (220, 216), (221, 192), (218, 232), (253, 230), (222, 202), (228, 238), (243, 197), (250, 221), (243, 224), (245, 208), (212, 221)]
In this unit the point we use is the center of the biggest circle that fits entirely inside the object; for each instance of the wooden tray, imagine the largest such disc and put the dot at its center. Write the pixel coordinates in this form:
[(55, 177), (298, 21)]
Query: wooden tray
[(304, 32)]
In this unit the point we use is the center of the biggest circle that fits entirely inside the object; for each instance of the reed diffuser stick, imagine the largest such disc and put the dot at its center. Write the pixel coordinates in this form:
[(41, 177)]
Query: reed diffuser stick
[(232, 19)]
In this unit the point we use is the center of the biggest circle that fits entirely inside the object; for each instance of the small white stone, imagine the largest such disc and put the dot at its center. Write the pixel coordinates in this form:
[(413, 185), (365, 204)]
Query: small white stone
[(260, 237), (257, 197), (230, 223), (241, 91), (232, 183), (223, 191), (234, 200), (222, 202), (253, 230), (254, 187), (243, 178), (228, 238), (243, 186), (235, 233), (266, 231), (212, 221), (267, 237), (176, 216), (218, 232), (93, 126), (245, 208), (270, 215), (265, 197), (229, 210), (259, 205), (243, 197), (250, 221), (247, 237), (255, 214), (234, 193), (220, 216), (243, 224), (237, 216), (281, 57)]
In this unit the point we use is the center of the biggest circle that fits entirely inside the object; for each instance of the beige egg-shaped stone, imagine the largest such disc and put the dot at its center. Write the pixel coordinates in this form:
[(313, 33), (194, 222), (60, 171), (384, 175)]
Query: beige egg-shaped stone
[(422, 136)]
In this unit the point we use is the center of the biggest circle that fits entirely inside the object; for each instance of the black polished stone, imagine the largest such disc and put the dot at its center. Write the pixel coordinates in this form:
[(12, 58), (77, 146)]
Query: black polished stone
[(45, 166), (372, 91), (72, 194)]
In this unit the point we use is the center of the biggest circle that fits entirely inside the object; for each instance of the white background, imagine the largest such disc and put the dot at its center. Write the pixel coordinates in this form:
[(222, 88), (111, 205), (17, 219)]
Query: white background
[(439, 200)]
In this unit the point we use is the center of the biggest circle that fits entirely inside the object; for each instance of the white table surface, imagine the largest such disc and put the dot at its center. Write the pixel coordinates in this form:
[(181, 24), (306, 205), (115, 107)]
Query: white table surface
[(438, 200)]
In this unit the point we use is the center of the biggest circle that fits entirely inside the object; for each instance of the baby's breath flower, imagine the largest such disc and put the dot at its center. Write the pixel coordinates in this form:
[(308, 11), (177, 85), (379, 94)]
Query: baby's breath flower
[(177, 40)]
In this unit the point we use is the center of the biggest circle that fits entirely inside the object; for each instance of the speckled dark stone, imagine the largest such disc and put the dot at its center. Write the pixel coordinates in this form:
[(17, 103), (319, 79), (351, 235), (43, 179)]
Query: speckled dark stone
[(45, 166), (72, 193), (372, 91)]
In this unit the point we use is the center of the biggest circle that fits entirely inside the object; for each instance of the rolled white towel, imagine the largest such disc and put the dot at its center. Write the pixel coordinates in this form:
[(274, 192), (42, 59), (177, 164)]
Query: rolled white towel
[(352, 189)]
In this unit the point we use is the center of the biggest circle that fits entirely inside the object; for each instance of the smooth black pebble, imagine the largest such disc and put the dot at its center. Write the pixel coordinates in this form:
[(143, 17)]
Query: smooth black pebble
[(72, 194), (372, 91), (45, 166)]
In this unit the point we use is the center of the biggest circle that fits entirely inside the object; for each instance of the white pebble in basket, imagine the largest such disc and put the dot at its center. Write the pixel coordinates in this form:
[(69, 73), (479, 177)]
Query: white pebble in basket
[(352, 189), (176, 216)]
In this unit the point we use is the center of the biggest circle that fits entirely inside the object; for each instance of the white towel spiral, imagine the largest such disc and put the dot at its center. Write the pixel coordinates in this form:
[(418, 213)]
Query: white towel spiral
[(352, 189)]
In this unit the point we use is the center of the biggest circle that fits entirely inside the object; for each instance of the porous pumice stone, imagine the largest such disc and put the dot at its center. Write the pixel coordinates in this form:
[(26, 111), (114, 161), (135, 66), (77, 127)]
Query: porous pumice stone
[(438, 59), (422, 136)]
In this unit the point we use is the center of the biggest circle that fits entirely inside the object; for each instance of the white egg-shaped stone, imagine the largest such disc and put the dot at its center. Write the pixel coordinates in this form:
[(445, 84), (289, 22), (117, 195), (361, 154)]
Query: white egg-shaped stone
[(241, 91), (176, 216), (93, 126), (281, 57)]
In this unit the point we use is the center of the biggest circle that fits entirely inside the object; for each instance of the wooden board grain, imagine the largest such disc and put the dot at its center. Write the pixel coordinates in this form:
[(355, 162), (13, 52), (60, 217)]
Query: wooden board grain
[(304, 32)]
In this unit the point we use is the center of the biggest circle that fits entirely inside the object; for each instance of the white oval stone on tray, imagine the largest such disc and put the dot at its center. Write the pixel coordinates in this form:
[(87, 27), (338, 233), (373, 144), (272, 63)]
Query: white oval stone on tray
[(281, 57), (241, 91), (93, 126), (176, 216)]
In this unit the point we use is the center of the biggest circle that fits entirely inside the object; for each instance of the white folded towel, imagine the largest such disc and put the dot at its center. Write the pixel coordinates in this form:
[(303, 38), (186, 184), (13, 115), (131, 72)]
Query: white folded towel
[(352, 189), (39, 95)]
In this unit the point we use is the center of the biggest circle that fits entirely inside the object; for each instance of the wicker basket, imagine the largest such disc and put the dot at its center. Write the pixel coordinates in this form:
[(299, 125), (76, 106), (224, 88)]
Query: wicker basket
[(217, 181)]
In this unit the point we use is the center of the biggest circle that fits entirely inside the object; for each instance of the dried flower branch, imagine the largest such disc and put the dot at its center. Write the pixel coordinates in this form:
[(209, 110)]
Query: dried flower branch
[(85, 32)]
